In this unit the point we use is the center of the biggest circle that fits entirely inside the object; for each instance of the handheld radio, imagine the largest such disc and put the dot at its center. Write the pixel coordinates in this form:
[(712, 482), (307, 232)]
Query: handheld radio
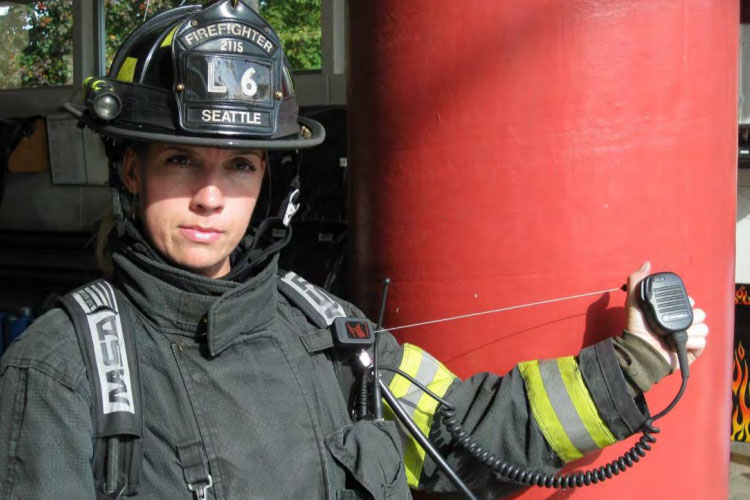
[(665, 303)]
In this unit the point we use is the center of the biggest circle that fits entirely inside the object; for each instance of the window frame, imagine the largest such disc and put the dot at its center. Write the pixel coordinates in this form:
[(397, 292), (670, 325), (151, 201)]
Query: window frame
[(19, 103), (327, 86)]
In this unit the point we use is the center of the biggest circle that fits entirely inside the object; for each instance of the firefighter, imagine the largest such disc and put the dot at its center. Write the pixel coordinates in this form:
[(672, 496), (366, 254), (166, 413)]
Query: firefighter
[(199, 370)]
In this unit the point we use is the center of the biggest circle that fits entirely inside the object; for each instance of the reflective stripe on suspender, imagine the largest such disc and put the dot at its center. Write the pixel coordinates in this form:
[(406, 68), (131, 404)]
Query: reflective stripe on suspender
[(111, 363), (106, 343), (317, 305)]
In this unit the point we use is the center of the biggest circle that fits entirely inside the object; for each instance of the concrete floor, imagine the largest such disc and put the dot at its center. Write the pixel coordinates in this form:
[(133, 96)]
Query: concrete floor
[(739, 481), (739, 472)]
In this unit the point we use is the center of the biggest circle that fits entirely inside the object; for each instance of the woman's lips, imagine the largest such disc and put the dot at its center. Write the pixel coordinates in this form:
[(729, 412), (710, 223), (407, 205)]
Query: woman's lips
[(200, 234)]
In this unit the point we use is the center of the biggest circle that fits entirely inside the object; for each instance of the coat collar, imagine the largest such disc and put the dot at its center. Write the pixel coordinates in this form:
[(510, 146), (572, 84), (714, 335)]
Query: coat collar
[(183, 303)]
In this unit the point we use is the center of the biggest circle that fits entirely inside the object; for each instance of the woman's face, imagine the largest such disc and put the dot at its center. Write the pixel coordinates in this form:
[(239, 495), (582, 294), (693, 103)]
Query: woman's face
[(195, 202)]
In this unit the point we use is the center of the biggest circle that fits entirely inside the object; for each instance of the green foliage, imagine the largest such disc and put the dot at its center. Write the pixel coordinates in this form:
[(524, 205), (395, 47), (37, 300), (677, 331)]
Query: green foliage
[(38, 38), (297, 23), (15, 39), (47, 30), (48, 59)]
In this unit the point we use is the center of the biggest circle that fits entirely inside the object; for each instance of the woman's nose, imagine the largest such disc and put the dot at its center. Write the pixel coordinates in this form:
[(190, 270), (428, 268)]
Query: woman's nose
[(207, 198)]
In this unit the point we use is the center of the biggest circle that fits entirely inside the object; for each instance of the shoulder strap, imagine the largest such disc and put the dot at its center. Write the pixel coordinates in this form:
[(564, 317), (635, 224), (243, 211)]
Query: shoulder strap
[(112, 365), (318, 306)]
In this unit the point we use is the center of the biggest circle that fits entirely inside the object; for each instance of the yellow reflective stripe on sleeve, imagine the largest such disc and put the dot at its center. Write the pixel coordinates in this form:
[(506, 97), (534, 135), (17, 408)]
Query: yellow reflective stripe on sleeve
[(563, 408), (420, 406), (584, 404), (413, 453), (544, 413), (411, 359), (168, 39), (127, 70), (410, 362), (439, 385)]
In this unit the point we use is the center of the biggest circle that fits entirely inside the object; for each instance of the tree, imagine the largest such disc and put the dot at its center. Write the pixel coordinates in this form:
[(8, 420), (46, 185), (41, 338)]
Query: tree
[(15, 39), (297, 23), (39, 51), (48, 59)]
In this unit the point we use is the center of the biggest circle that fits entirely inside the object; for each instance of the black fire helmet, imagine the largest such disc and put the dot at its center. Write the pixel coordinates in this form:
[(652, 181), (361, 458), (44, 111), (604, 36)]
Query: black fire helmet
[(210, 76)]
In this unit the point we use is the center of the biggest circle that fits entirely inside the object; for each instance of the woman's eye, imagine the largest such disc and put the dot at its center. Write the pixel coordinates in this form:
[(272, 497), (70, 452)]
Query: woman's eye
[(244, 165), (180, 160)]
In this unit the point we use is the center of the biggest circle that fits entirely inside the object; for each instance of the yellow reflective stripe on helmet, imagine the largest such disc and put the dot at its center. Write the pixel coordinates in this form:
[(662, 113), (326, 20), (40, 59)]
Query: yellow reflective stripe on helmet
[(563, 408), (127, 70), (418, 405), (168, 39), (584, 404), (97, 84), (85, 86)]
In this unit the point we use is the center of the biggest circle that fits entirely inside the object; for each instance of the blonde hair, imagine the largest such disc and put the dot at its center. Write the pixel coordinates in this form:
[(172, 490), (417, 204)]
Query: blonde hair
[(103, 248), (103, 245)]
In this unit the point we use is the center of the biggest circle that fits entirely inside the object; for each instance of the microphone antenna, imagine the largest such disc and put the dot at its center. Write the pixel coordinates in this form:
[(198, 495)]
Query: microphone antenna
[(377, 403)]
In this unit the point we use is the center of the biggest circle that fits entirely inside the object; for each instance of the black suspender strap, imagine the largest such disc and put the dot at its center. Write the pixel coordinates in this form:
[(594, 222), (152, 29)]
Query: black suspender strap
[(112, 364), (195, 468), (191, 451)]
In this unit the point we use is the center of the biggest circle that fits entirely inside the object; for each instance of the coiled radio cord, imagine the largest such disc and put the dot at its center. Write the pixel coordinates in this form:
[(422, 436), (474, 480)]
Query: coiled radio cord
[(519, 475)]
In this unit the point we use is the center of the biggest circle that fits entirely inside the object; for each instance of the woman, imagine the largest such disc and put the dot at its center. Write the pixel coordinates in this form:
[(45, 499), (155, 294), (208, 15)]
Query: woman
[(242, 390)]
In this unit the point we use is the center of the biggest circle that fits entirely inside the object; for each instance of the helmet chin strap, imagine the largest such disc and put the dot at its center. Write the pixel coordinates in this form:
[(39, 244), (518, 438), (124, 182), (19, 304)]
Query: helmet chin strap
[(287, 210), (123, 207), (290, 206)]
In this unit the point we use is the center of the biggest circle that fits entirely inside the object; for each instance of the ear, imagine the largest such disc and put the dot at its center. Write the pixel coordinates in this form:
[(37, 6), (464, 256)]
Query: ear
[(130, 171)]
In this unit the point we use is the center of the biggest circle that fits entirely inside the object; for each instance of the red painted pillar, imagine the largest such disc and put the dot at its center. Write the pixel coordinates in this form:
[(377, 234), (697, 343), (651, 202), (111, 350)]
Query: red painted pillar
[(510, 152)]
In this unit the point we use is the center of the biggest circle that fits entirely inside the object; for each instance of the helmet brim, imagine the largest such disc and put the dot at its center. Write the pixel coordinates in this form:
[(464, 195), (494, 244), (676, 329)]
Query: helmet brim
[(303, 140)]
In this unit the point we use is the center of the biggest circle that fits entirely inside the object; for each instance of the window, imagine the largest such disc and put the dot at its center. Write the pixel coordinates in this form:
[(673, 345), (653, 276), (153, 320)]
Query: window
[(297, 23), (37, 48)]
